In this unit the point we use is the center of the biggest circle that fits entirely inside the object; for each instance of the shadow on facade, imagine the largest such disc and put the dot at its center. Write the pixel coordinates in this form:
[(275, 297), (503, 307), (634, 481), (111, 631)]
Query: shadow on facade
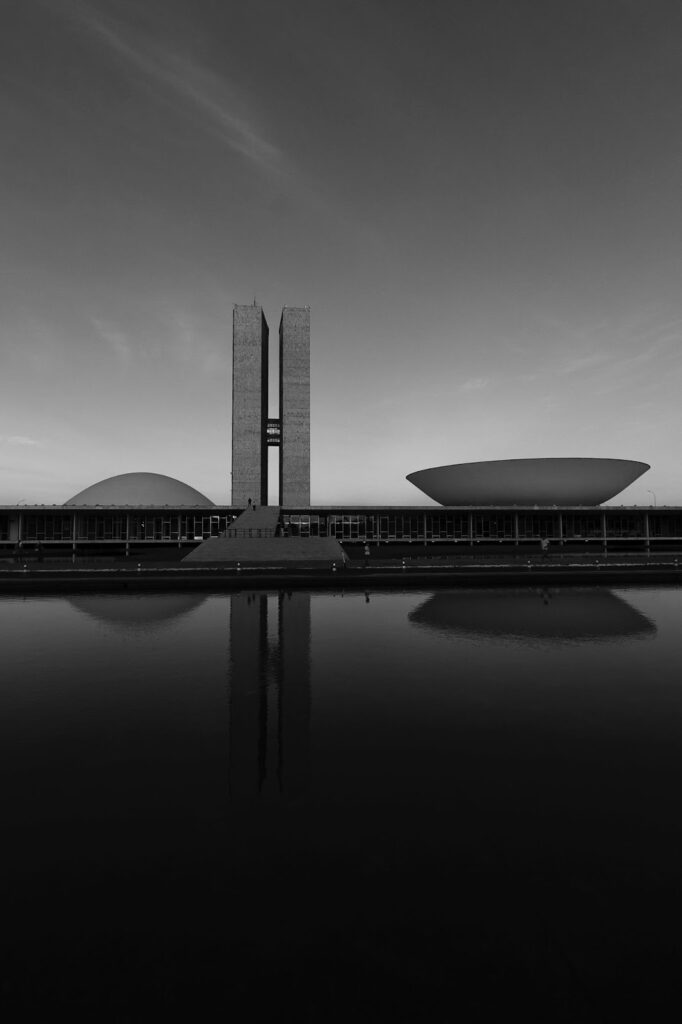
[(270, 704), (533, 614)]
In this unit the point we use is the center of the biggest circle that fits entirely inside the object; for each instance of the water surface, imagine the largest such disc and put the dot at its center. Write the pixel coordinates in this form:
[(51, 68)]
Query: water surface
[(338, 804)]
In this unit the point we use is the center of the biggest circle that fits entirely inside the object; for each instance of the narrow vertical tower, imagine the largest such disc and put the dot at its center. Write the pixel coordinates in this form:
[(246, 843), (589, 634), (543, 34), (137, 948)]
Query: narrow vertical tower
[(249, 405), (294, 406)]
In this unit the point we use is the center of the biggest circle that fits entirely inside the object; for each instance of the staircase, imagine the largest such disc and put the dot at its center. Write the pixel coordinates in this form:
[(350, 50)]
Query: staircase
[(252, 540), (266, 552), (260, 522)]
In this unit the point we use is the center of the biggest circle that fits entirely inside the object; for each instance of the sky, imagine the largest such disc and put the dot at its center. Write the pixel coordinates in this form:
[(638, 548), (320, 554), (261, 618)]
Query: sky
[(478, 199)]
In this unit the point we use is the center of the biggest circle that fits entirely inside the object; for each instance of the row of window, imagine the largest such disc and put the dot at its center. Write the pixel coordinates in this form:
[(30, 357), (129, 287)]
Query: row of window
[(114, 526), (117, 526), (477, 526)]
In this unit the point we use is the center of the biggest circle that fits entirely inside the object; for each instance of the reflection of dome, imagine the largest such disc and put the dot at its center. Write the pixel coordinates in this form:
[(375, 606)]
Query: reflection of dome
[(528, 481), (136, 611), (571, 614), (146, 489)]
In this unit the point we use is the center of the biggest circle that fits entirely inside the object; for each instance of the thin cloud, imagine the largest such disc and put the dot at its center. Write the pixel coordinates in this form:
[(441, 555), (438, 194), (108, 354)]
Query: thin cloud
[(650, 360), (588, 362), (117, 341), (186, 79), (20, 440), (475, 384)]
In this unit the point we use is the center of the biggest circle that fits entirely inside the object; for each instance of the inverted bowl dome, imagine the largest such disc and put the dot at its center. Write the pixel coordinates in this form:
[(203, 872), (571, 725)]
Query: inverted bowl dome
[(141, 489), (528, 481)]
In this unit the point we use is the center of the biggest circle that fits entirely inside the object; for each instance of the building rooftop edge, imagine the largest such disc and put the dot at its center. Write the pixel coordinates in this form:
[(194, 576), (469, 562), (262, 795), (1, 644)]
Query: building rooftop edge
[(215, 509)]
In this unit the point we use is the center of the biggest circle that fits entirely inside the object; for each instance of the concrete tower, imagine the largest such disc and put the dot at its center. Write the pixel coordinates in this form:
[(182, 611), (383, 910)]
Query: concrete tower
[(294, 406), (249, 405), (252, 431)]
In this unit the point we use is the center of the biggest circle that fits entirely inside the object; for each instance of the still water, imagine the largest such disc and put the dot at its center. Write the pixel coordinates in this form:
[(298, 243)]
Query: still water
[(384, 806)]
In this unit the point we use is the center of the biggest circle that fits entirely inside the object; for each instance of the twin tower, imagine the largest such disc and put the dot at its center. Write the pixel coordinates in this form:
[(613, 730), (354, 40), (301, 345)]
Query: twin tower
[(253, 431)]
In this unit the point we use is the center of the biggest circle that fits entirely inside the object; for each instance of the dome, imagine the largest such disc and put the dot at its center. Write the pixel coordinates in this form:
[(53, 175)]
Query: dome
[(528, 481), (145, 489)]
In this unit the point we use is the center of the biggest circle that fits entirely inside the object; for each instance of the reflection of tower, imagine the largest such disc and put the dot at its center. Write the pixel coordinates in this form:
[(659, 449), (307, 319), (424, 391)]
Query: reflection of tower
[(294, 693), (248, 693), (252, 431), (254, 667)]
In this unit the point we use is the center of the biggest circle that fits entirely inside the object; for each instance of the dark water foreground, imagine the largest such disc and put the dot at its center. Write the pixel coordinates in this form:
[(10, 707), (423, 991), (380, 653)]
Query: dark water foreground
[(400, 806)]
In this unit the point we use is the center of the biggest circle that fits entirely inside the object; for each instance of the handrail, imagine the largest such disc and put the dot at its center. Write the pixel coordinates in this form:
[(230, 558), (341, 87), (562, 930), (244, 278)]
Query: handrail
[(251, 532)]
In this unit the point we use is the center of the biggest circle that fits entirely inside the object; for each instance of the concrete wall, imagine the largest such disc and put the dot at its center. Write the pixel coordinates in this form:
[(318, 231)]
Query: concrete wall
[(249, 405), (294, 406)]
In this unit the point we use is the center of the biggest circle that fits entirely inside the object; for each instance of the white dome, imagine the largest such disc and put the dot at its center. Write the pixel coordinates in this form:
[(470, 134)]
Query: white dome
[(142, 489)]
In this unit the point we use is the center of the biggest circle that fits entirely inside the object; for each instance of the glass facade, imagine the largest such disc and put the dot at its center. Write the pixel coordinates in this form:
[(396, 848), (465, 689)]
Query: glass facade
[(478, 525), (581, 526), (376, 525), (118, 525), (47, 527), (665, 524)]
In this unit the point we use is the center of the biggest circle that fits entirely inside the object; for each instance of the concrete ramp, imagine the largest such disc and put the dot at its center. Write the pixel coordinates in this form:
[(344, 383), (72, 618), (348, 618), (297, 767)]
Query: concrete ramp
[(258, 522), (267, 551)]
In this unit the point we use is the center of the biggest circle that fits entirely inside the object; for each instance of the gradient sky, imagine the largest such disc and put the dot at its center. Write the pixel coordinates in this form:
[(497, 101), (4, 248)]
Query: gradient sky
[(479, 199)]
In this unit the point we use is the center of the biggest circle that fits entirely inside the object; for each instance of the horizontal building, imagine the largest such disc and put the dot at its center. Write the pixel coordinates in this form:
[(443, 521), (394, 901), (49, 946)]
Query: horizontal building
[(122, 529)]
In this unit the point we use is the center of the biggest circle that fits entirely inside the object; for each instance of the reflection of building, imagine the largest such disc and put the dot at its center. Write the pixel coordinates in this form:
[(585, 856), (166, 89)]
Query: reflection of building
[(571, 614), (252, 431), (132, 612), (266, 732), (293, 673), (248, 693)]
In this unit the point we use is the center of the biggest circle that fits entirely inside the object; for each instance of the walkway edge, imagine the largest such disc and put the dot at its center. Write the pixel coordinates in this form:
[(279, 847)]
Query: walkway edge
[(218, 578)]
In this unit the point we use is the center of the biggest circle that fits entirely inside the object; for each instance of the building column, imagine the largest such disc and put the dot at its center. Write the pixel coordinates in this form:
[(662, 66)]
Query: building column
[(249, 406), (294, 406)]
